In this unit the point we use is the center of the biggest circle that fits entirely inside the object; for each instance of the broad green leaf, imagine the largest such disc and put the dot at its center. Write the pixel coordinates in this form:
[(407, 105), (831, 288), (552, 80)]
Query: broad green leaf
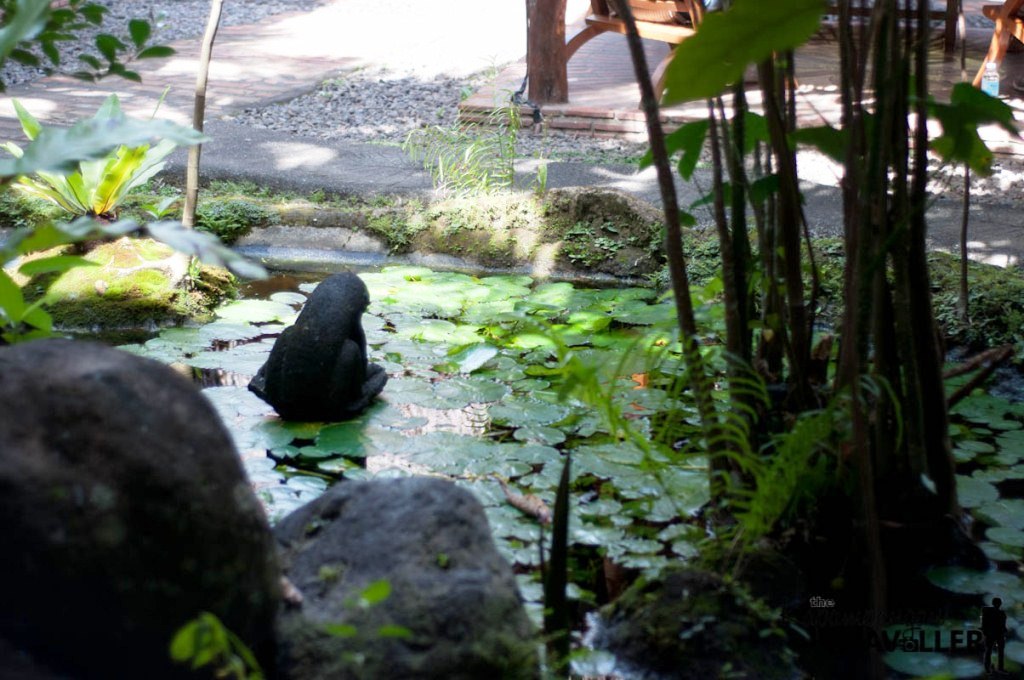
[(376, 592), (341, 630), (394, 632), (156, 52), (968, 109), (38, 318), (688, 138), (825, 138), (109, 46), (728, 42), (60, 149), (29, 125), (183, 645), (57, 263), (207, 248), (12, 302), (140, 31), (24, 23)]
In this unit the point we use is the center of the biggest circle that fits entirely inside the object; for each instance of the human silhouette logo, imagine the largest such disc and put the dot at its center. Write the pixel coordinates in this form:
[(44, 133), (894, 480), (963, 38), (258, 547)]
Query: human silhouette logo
[(993, 627)]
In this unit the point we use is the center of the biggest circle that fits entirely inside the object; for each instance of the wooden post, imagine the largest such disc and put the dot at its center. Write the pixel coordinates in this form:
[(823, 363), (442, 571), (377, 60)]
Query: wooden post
[(188, 217), (545, 52)]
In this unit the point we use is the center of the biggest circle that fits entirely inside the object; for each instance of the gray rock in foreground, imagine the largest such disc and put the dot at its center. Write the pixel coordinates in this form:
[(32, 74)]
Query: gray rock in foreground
[(125, 512), (449, 586)]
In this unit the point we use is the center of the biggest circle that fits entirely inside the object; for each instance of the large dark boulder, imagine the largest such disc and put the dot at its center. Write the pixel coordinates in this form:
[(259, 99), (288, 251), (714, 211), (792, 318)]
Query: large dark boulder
[(125, 513), (693, 624), (450, 588), (317, 369)]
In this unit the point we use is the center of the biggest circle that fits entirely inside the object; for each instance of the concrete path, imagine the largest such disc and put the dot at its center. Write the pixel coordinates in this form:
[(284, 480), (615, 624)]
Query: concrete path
[(291, 54)]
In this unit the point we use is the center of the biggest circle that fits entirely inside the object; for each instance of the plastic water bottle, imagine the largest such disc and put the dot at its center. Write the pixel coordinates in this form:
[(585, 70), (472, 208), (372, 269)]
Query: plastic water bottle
[(990, 79)]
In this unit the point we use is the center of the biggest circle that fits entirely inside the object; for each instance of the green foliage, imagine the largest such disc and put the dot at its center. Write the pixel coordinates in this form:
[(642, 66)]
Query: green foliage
[(32, 32), (471, 158), (727, 42), (206, 642), (230, 219), (96, 187), (968, 109), (996, 299)]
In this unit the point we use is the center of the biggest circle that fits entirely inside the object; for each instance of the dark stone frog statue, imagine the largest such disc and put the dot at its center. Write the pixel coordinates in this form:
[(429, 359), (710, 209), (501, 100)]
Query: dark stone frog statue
[(317, 370)]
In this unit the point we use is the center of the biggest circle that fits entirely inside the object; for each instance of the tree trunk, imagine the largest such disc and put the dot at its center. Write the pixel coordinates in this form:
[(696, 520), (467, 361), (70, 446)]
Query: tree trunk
[(188, 217), (545, 51)]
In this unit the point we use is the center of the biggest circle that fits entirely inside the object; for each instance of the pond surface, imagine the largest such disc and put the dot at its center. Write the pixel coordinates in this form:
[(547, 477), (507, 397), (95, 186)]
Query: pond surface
[(477, 394), (470, 397)]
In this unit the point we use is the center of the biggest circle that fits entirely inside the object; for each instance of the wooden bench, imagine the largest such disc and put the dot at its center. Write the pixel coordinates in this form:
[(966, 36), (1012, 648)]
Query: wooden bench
[(661, 20), (1009, 24)]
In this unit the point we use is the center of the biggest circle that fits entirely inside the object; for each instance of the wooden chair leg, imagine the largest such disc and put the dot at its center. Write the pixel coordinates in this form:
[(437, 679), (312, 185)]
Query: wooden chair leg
[(1006, 23), (996, 50), (658, 77), (580, 39), (954, 8)]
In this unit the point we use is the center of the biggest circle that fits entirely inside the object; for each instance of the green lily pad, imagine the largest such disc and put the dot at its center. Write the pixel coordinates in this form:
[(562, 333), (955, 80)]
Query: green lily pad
[(540, 435), (933, 664), (524, 412), (970, 582), (289, 298), (1006, 512), (347, 439), (999, 553), (286, 431), (1006, 536), (999, 474), (1015, 650), (974, 492), (976, 446), (472, 358), (255, 311)]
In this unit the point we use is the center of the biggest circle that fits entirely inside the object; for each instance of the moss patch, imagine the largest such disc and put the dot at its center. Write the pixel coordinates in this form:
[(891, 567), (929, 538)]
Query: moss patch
[(137, 283), (231, 218), (694, 624)]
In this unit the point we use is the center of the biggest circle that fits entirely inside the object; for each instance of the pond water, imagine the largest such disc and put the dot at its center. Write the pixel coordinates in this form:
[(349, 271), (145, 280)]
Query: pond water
[(476, 395)]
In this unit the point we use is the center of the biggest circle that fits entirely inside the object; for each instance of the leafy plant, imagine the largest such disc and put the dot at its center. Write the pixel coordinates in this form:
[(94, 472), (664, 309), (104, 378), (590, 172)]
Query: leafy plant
[(230, 219), (97, 187), (37, 29), (205, 641), (468, 158)]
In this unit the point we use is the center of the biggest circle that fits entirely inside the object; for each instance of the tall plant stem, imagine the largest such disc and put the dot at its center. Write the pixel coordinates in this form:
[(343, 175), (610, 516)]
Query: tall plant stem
[(199, 114), (674, 251), (965, 217)]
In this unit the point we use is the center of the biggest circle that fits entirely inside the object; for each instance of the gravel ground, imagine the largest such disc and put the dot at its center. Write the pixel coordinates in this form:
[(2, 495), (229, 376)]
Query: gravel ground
[(385, 106), (170, 19), (382, 106)]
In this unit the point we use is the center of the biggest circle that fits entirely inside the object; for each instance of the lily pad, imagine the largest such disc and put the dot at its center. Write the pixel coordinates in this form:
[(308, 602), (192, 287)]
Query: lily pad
[(999, 553), (1006, 512), (540, 435), (524, 412), (347, 439), (289, 298), (255, 311), (974, 492), (933, 664), (1006, 536), (970, 582)]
